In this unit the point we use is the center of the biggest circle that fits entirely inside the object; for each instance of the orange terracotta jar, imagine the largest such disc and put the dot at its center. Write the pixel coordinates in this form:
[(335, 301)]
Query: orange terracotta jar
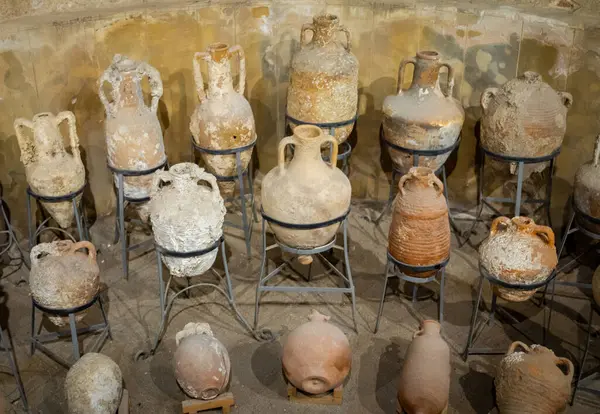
[(420, 230)]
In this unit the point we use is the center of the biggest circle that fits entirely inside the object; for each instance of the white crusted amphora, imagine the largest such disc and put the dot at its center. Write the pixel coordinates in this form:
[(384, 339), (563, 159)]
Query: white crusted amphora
[(186, 216), (50, 169), (586, 190)]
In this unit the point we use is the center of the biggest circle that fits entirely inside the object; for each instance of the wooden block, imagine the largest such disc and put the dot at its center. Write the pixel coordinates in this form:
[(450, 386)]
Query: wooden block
[(223, 401), (124, 406), (331, 398)]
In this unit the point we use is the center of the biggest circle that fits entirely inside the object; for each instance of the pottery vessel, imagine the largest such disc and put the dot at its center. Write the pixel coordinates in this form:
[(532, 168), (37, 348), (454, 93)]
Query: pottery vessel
[(223, 120), (324, 77), (420, 230), (316, 355), (586, 192), (201, 362), (49, 168), (524, 118), (424, 385), (61, 277), (307, 190), (94, 385), (423, 116), (533, 381), (518, 251), (134, 138), (186, 216)]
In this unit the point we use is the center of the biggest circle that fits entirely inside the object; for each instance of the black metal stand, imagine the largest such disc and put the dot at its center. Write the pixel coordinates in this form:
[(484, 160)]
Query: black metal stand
[(396, 268), (469, 350), (246, 199), (12, 360), (264, 278), (581, 377), (80, 219), (120, 232), (37, 341), (12, 238)]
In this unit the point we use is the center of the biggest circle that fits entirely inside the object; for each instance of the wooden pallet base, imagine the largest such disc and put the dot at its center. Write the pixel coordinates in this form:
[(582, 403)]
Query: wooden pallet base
[(124, 406), (331, 398), (224, 401)]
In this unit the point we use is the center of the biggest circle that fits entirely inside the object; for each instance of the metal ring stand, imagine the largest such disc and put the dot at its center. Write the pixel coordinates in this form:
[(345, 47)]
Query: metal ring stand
[(12, 238), (120, 233), (345, 147), (494, 281), (12, 360), (243, 197), (264, 278), (37, 341), (80, 219), (394, 268)]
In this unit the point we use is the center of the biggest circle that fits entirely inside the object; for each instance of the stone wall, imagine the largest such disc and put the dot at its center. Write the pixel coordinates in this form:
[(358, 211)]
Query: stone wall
[(50, 62)]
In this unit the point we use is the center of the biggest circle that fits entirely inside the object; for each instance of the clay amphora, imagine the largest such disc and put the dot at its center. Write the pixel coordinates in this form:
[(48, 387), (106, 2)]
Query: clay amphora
[(186, 216), (518, 251), (134, 138), (324, 77), (424, 385), (524, 118), (223, 120), (307, 190), (532, 381), (316, 355), (420, 230), (61, 277), (201, 362), (94, 385), (586, 192), (50, 169), (423, 116)]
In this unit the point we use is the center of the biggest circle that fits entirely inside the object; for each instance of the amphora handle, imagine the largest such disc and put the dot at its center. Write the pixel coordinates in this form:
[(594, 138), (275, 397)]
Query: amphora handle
[(513, 347), (92, 254), (156, 86), (73, 138), (26, 145), (401, 68), (198, 74), (486, 97), (237, 50), (499, 221)]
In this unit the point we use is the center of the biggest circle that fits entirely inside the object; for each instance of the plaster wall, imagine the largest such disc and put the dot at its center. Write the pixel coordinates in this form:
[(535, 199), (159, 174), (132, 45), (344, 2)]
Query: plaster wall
[(52, 52)]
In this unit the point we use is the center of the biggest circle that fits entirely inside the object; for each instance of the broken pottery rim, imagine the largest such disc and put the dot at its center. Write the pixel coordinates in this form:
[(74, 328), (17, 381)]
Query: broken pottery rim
[(428, 55)]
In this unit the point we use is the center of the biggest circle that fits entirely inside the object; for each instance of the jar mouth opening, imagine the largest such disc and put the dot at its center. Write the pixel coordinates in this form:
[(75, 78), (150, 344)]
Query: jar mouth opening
[(218, 47), (307, 132), (428, 55), (420, 171), (183, 169), (326, 19)]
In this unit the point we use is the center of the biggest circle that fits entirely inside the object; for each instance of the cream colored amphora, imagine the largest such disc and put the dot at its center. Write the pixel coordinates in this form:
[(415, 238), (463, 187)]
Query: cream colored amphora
[(50, 170)]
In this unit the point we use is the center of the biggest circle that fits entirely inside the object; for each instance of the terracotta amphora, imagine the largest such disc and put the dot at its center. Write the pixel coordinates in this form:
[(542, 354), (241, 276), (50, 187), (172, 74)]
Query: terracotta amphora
[(307, 190), (49, 168), (223, 119), (423, 116), (134, 138), (533, 381), (586, 193), (518, 251), (316, 355), (424, 385), (324, 77), (524, 118), (201, 362), (61, 277), (186, 216), (94, 385), (420, 230)]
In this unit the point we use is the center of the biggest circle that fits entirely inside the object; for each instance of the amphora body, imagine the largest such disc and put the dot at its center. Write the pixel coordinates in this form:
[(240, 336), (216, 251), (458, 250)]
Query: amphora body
[(586, 193)]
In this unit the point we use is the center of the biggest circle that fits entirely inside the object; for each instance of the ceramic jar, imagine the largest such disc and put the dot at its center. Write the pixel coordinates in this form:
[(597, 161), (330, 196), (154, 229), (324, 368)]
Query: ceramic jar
[(61, 277), (533, 381), (324, 78), (424, 385), (201, 362), (94, 385), (518, 251), (586, 194), (186, 216), (420, 230), (307, 190), (223, 120), (49, 168), (423, 116), (524, 118), (134, 138), (316, 355)]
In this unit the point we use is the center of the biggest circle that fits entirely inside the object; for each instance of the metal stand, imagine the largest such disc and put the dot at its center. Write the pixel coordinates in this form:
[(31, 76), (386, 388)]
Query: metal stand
[(396, 268), (12, 360), (243, 197), (264, 277), (345, 149), (120, 232), (593, 373), (37, 341), (12, 238), (494, 281), (79, 217)]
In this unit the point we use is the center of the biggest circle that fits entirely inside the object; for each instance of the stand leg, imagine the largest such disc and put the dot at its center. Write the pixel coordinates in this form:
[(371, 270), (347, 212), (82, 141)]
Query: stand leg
[(473, 321), (101, 304), (493, 309), (161, 283), (29, 222), (390, 201), (442, 283), (227, 276), (121, 218), (12, 236), (78, 219), (74, 339), (240, 173), (349, 274), (563, 242), (7, 345), (550, 309), (262, 272), (32, 344), (382, 301), (549, 192), (519, 188), (251, 189), (467, 235), (585, 353)]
